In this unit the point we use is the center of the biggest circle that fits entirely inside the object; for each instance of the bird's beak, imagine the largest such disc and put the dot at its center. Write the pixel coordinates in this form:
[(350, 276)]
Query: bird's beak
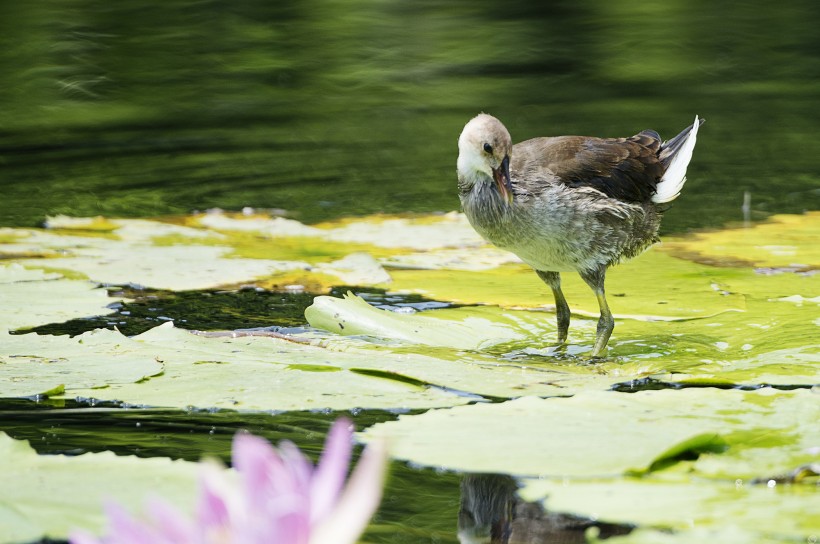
[(502, 179)]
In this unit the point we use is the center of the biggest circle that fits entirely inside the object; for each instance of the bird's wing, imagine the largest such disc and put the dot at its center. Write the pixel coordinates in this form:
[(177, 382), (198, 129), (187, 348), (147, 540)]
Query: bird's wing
[(623, 168)]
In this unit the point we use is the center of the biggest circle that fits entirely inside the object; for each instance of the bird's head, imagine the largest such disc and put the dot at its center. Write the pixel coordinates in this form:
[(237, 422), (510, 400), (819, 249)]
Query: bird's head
[(484, 150)]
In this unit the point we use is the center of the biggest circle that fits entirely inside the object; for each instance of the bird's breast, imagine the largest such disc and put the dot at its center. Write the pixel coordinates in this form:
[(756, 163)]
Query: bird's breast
[(557, 229)]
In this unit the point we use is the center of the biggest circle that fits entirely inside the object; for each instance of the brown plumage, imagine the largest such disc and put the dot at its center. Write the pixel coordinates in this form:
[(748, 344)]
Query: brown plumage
[(570, 203)]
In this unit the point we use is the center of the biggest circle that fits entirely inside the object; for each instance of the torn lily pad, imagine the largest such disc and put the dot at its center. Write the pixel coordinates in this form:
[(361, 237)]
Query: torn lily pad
[(351, 315)]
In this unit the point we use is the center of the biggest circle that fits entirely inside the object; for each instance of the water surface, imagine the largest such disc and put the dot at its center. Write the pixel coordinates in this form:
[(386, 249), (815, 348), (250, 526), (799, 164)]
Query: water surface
[(326, 109)]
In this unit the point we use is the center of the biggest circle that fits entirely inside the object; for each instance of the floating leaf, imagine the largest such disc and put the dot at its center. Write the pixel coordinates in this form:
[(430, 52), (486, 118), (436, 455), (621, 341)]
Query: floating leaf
[(779, 242), (29, 298), (50, 495), (353, 316), (712, 507), (31, 364), (599, 433), (133, 258)]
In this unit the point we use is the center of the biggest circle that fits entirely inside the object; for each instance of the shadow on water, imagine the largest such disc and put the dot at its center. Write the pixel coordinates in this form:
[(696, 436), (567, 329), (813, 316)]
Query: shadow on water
[(246, 308)]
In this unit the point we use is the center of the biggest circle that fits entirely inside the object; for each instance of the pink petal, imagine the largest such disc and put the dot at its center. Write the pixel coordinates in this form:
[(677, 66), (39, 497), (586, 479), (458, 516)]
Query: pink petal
[(172, 526), (83, 537), (297, 465), (257, 462), (213, 510), (358, 501), (276, 490), (125, 529), (331, 472)]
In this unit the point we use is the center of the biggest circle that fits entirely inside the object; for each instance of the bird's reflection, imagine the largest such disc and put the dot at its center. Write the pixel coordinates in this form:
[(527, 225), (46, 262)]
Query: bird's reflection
[(492, 513)]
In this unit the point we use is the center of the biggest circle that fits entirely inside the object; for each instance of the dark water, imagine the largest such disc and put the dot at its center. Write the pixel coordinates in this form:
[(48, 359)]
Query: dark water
[(328, 109)]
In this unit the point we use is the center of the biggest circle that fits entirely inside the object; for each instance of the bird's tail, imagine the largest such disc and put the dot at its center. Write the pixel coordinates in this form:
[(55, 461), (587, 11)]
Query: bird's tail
[(675, 156)]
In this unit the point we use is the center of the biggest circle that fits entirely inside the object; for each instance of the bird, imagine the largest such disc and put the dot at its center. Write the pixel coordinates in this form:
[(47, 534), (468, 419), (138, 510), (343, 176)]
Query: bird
[(570, 203)]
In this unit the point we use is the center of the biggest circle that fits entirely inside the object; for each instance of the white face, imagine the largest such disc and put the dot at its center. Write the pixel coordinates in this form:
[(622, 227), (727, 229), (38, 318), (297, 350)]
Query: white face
[(482, 146), (471, 157)]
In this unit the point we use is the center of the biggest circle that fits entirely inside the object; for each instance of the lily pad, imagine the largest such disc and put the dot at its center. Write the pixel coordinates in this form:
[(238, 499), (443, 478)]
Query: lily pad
[(35, 502), (780, 242), (33, 365), (353, 316), (132, 258), (29, 298), (768, 514), (595, 434), (261, 373)]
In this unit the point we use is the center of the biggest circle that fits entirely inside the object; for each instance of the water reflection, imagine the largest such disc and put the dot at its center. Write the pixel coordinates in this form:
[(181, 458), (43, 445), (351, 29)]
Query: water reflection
[(492, 513)]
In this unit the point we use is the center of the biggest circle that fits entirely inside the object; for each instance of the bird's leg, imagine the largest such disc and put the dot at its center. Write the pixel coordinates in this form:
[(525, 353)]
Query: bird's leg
[(595, 279), (553, 279)]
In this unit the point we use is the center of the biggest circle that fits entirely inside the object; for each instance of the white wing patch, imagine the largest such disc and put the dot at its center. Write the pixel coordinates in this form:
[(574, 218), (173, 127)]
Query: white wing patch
[(675, 176)]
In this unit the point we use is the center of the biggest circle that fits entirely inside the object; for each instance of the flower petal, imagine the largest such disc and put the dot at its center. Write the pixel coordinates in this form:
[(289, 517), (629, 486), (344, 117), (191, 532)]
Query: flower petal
[(83, 537), (125, 529), (330, 474), (172, 526), (216, 497), (358, 501)]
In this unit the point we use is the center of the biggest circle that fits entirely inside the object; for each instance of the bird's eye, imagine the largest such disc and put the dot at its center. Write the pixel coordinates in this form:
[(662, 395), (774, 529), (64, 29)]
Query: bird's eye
[(488, 148)]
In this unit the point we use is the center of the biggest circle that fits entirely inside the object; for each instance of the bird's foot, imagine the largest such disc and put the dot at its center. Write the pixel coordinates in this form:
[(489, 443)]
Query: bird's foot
[(598, 352)]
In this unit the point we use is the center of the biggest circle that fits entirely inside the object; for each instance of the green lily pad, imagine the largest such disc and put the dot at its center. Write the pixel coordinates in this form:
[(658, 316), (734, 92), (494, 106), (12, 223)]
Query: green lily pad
[(131, 257), (262, 373), (780, 242), (34, 503), (29, 298), (32, 364), (353, 316), (731, 533), (722, 507), (595, 433)]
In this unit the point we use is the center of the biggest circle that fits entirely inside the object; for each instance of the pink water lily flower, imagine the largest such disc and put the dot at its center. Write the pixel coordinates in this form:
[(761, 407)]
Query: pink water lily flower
[(276, 496)]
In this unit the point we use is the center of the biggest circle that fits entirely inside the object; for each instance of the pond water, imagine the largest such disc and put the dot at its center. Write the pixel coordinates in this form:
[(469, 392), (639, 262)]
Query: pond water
[(326, 109)]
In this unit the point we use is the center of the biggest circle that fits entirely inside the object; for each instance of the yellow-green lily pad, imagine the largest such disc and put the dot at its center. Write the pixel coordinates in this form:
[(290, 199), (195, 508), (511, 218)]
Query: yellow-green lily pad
[(52, 495), (601, 433), (32, 364), (29, 298), (779, 242), (717, 508)]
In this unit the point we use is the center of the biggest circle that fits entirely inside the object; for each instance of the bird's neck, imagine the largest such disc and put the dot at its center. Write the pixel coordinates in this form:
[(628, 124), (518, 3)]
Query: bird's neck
[(483, 204)]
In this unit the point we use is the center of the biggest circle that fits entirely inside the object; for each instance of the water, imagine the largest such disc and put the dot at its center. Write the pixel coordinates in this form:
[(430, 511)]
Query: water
[(327, 109)]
